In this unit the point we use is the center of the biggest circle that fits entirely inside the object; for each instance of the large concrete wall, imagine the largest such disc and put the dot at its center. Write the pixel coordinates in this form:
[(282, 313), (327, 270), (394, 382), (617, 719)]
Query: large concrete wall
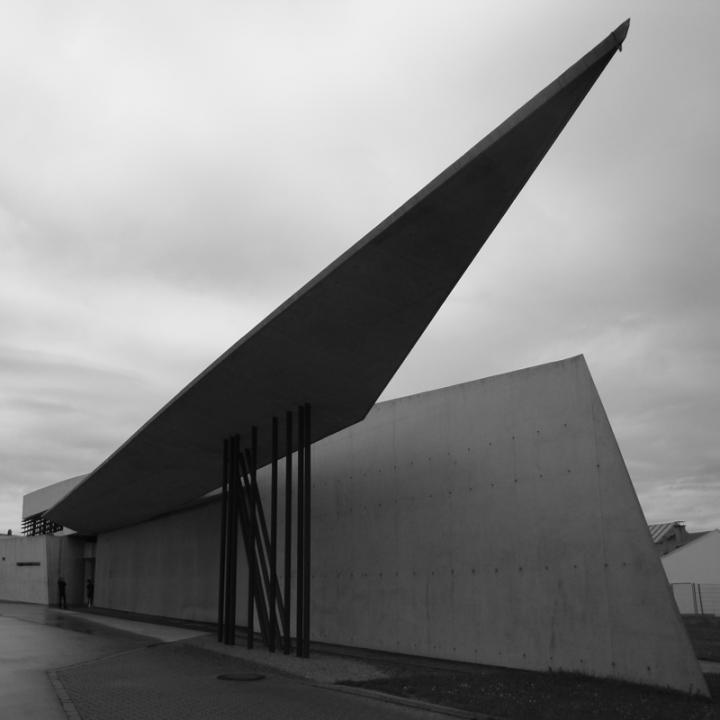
[(494, 522), (491, 522), (167, 567)]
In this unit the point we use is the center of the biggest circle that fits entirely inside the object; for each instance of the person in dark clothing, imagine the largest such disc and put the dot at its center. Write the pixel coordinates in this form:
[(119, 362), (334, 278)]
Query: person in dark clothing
[(90, 588), (62, 602)]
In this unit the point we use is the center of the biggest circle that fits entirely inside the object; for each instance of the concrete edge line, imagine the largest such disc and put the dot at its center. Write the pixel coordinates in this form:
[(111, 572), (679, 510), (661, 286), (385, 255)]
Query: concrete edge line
[(66, 703), (408, 702)]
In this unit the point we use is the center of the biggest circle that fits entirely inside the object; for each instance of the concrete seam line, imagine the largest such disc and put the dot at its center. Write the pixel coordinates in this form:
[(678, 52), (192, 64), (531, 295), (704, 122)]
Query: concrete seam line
[(409, 702), (63, 697)]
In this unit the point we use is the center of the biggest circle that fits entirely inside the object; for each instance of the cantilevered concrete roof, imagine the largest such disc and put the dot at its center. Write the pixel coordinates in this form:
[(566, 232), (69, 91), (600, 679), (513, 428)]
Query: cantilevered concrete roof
[(339, 340)]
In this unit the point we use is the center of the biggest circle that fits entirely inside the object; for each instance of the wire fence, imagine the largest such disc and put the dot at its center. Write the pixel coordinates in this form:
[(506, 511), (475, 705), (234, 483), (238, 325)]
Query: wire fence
[(697, 598)]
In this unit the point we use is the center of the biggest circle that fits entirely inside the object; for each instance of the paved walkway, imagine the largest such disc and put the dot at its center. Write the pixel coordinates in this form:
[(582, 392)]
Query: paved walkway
[(112, 668), (180, 682)]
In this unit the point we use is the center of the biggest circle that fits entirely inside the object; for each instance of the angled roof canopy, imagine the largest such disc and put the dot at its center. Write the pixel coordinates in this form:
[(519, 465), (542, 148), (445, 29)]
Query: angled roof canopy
[(338, 341)]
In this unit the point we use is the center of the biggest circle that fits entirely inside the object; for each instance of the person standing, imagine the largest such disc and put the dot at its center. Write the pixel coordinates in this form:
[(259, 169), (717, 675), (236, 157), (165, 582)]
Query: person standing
[(90, 589), (62, 601)]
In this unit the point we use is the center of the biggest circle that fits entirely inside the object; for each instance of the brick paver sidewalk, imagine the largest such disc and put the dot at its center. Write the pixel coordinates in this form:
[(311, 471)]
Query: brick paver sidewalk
[(179, 682)]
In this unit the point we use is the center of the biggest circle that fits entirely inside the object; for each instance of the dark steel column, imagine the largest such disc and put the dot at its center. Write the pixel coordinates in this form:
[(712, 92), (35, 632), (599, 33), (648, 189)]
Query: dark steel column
[(252, 565), (273, 537), (299, 617), (288, 528), (232, 544), (306, 539), (223, 544)]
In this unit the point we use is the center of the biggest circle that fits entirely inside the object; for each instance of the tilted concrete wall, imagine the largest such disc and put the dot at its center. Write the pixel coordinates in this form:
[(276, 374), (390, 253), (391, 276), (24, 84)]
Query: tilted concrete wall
[(166, 567), (494, 522), (491, 522)]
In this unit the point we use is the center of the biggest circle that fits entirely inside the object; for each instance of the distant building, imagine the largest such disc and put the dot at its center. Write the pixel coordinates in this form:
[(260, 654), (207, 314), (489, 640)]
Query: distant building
[(670, 536), (693, 570)]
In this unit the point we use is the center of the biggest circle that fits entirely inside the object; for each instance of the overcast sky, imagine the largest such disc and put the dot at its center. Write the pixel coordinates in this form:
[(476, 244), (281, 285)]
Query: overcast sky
[(172, 171)]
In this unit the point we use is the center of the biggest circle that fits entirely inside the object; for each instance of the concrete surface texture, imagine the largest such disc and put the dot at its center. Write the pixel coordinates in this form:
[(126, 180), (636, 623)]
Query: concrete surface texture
[(494, 522), (65, 559), (338, 341), (491, 522), (30, 568), (40, 500), (24, 569), (166, 567)]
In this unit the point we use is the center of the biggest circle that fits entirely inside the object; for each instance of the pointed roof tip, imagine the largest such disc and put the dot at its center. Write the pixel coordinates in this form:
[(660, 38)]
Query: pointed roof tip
[(620, 33)]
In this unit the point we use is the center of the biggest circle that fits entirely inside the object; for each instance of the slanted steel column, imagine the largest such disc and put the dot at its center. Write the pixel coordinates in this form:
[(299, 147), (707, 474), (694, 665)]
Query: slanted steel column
[(262, 578), (223, 542), (288, 528), (300, 615), (252, 572), (306, 535), (273, 537), (241, 502)]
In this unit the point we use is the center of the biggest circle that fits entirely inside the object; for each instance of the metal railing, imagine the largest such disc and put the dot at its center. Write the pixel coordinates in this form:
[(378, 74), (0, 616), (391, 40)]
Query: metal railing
[(697, 598)]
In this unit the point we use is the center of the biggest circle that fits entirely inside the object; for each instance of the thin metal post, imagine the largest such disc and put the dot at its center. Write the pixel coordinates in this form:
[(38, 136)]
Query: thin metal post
[(223, 544), (228, 531), (232, 545), (288, 527), (251, 563), (306, 539), (273, 535), (300, 533)]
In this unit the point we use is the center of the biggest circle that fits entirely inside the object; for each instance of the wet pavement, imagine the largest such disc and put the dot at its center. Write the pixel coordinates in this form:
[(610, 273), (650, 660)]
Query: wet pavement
[(110, 668), (35, 639)]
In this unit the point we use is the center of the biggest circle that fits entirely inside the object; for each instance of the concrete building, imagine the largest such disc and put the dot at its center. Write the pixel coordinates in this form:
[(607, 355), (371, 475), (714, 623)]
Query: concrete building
[(693, 570), (492, 522)]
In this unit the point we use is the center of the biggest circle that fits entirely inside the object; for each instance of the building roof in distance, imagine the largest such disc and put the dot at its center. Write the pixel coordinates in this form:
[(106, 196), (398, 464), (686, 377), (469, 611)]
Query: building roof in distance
[(338, 341), (659, 531)]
